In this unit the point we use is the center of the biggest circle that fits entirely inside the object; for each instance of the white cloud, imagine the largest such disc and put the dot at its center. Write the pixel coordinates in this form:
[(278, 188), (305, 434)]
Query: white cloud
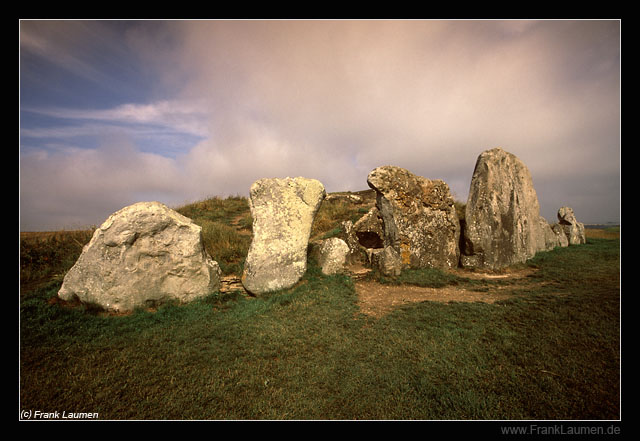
[(74, 188), (178, 116)]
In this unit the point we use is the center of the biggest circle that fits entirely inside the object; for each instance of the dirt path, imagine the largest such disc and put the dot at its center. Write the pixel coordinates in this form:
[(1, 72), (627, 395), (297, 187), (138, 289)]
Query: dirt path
[(377, 299)]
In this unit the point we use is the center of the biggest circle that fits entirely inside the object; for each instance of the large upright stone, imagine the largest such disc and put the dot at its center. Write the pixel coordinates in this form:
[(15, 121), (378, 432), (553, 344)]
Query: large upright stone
[(141, 255), (503, 225), (419, 218), (283, 211), (573, 229)]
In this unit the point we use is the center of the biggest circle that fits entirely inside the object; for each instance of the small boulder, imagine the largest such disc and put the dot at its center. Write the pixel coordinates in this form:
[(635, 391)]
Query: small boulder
[(387, 260), (142, 255), (332, 255), (283, 211)]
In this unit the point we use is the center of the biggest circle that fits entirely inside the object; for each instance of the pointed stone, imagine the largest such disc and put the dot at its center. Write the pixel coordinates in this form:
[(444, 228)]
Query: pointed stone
[(503, 225)]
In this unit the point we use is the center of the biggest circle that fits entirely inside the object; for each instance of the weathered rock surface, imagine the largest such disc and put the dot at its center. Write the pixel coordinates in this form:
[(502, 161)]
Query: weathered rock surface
[(369, 229), (332, 255), (141, 255), (363, 237), (573, 229), (387, 260), (419, 218), (561, 236), (503, 225), (283, 211)]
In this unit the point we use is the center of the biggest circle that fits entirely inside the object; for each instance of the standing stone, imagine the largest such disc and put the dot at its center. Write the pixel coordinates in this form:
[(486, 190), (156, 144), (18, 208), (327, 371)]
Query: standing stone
[(283, 211), (350, 238), (419, 218), (573, 229), (144, 254), (561, 237), (332, 255), (503, 225)]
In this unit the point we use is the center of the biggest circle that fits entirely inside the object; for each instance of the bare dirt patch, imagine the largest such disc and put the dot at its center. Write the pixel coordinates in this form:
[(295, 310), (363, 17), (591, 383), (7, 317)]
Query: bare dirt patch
[(376, 299)]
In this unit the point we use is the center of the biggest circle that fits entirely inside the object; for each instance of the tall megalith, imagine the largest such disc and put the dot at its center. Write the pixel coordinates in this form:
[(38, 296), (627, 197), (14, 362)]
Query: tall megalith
[(283, 211), (503, 225), (419, 219), (141, 255)]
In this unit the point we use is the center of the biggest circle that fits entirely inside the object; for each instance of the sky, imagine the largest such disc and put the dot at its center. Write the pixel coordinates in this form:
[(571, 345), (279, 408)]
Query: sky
[(117, 112)]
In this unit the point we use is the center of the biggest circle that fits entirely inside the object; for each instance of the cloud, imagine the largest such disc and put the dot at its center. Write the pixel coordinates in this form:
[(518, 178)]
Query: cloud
[(425, 95), (75, 188), (175, 115), (165, 127)]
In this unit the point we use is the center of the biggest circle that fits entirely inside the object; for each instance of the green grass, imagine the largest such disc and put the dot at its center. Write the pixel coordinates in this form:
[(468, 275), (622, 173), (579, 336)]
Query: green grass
[(226, 229), (550, 352), (331, 214), (216, 209)]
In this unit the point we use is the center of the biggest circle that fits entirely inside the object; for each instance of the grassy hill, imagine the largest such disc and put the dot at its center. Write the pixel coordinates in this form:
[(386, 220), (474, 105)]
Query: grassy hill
[(546, 345)]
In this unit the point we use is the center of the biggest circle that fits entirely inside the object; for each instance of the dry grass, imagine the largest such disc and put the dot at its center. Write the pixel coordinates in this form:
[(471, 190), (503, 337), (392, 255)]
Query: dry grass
[(602, 233)]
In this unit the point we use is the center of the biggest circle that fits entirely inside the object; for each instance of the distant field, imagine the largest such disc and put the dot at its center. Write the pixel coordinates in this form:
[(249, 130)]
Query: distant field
[(602, 232)]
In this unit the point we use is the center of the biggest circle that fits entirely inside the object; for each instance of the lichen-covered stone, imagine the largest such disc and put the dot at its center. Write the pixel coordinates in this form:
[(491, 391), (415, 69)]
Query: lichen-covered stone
[(419, 218), (283, 211), (141, 255), (332, 255)]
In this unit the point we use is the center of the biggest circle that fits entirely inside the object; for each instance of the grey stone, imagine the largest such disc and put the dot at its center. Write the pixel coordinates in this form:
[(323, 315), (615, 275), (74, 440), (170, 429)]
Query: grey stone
[(369, 229), (418, 216), (573, 229), (363, 237), (283, 211), (560, 235), (332, 255), (142, 255), (387, 260), (503, 225), (350, 238), (550, 238)]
